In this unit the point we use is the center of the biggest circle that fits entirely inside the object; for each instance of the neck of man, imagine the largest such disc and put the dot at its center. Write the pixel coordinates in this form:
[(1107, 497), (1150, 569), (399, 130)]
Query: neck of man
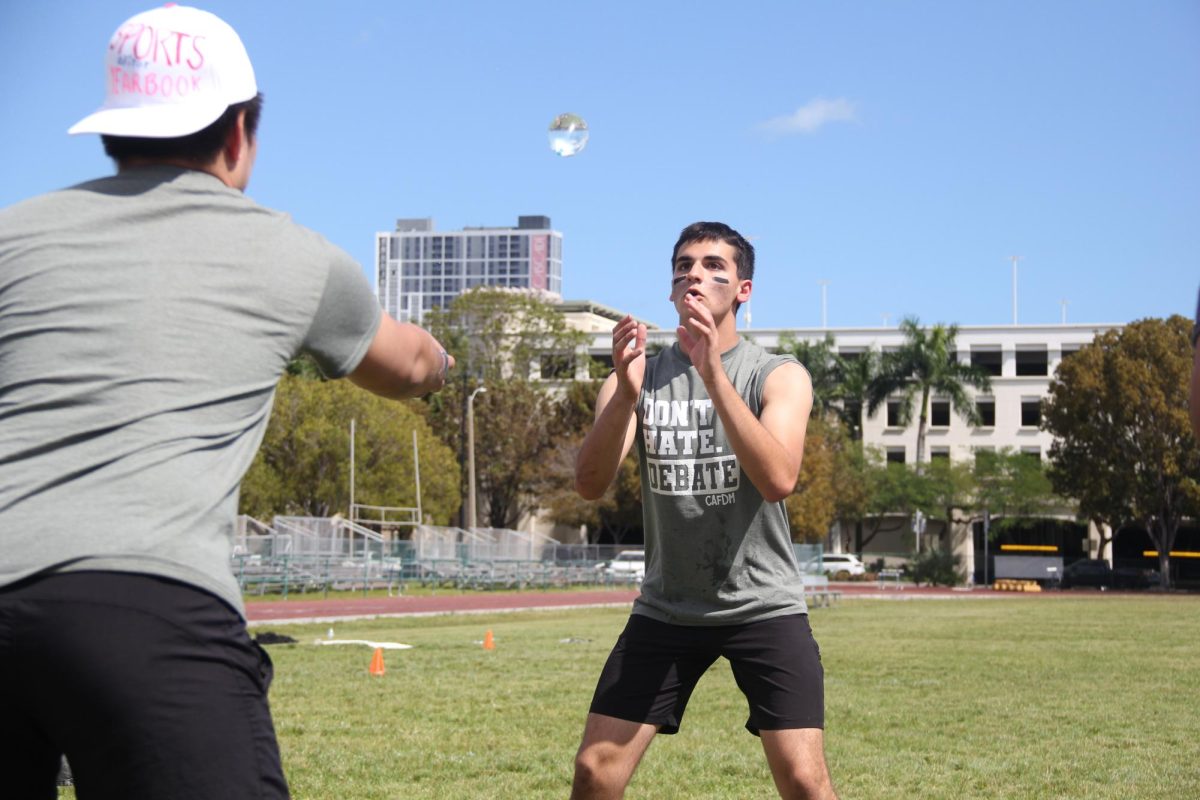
[(216, 167)]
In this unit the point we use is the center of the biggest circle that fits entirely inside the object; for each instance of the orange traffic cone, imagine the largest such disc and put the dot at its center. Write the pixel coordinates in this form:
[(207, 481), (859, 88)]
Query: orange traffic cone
[(489, 643), (377, 667)]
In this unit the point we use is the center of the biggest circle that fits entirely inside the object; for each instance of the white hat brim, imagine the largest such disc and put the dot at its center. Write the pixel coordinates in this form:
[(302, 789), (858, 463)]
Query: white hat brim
[(165, 121)]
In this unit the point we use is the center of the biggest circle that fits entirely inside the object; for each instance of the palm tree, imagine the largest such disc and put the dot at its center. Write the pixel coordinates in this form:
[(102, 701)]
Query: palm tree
[(854, 388), (925, 364), (840, 382)]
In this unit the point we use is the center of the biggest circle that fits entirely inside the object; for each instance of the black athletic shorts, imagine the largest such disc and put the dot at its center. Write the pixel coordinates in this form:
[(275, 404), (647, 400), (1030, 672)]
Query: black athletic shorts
[(152, 689), (654, 667)]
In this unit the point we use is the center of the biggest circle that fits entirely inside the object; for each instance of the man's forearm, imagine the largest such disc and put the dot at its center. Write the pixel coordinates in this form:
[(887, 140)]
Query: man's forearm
[(603, 448), (402, 361)]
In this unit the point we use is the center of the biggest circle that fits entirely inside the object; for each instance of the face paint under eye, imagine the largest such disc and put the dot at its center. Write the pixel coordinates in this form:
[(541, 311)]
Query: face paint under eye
[(719, 279), (679, 280)]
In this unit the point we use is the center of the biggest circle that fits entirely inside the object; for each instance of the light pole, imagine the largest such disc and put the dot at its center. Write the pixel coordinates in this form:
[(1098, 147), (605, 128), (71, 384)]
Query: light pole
[(824, 317), (1015, 259), (471, 457)]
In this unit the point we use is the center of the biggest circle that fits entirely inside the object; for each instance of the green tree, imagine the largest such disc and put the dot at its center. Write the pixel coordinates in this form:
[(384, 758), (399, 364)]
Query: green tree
[(1123, 446), (925, 364), (303, 465), (944, 491), (502, 340), (1013, 488), (857, 375), (879, 497)]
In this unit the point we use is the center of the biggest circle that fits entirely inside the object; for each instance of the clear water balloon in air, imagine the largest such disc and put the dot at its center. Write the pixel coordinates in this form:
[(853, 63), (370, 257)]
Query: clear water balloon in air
[(568, 134)]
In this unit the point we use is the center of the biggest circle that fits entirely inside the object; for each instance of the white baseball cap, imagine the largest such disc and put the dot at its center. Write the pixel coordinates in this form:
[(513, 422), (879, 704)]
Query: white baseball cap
[(170, 72)]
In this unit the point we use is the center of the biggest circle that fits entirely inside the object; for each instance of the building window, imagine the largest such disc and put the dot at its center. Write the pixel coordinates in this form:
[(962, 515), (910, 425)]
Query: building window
[(939, 454), (895, 455), (990, 360), (1033, 362), (987, 413), (1031, 412), (939, 413), (893, 414)]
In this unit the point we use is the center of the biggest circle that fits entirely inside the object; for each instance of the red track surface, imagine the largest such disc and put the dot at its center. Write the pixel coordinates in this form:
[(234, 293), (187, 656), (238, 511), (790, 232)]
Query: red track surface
[(318, 609)]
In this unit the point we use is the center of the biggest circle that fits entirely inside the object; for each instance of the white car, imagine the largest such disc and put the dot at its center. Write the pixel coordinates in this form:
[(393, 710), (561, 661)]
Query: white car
[(835, 564), (628, 565)]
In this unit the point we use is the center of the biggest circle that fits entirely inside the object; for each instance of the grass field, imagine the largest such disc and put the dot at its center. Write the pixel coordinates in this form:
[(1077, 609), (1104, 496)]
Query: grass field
[(1079, 697)]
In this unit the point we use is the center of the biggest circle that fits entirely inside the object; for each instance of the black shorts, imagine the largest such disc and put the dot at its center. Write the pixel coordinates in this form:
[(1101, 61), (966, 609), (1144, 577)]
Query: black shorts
[(151, 688), (654, 667)]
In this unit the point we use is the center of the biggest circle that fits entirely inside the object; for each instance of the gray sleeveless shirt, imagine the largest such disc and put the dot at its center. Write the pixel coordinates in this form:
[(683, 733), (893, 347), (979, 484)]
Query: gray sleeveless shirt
[(716, 552)]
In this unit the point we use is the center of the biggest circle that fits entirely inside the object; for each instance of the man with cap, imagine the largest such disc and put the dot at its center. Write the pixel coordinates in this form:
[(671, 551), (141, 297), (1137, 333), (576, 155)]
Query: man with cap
[(145, 319)]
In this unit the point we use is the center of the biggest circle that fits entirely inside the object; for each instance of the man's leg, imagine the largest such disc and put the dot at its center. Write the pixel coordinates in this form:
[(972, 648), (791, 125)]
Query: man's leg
[(797, 760), (777, 665), (610, 752), (643, 690)]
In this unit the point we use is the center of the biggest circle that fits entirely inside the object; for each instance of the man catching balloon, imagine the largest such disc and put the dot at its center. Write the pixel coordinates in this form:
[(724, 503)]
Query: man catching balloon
[(719, 424)]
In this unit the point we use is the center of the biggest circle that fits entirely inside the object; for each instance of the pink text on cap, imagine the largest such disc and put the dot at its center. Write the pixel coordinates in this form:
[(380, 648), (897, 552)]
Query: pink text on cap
[(138, 45)]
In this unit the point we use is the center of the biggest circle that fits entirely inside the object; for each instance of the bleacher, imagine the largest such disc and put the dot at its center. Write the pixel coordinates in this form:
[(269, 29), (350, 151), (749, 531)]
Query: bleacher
[(320, 554)]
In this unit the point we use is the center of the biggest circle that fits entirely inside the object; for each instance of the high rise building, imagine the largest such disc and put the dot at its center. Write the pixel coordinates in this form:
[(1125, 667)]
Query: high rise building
[(419, 268)]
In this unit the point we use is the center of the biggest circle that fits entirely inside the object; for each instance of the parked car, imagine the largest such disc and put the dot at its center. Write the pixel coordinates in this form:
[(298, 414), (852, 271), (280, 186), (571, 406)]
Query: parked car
[(842, 565), (628, 565), (1099, 574)]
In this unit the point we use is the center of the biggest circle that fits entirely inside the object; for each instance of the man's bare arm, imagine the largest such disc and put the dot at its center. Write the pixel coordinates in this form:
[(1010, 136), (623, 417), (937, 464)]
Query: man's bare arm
[(770, 447), (616, 421), (403, 360), (608, 442)]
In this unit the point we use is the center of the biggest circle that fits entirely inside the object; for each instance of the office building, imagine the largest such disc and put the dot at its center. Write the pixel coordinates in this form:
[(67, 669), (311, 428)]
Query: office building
[(419, 268)]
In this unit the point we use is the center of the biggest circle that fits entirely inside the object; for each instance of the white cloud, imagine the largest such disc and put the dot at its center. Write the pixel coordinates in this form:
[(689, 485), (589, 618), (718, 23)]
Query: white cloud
[(810, 117)]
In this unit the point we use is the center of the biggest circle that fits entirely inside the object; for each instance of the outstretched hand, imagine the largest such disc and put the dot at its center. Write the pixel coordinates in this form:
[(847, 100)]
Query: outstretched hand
[(629, 356)]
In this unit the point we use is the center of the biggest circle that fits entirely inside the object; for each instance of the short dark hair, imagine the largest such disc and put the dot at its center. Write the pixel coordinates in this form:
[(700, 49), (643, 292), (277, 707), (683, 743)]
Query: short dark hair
[(743, 251), (200, 147)]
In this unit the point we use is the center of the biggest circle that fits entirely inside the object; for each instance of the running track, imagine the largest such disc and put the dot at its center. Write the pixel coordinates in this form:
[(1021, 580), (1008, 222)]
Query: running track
[(318, 609)]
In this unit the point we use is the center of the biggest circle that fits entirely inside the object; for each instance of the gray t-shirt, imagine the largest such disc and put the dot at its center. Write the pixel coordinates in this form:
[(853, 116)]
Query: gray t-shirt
[(144, 322), (716, 552)]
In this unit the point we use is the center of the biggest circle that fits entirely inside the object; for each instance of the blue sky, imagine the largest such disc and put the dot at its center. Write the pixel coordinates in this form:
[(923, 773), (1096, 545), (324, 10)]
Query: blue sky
[(903, 151)]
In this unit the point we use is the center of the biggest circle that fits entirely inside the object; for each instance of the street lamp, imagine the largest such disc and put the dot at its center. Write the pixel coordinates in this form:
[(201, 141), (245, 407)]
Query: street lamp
[(471, 457)]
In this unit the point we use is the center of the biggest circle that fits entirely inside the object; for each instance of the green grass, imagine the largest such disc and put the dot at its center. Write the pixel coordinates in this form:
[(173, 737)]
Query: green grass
[(1084, 697)]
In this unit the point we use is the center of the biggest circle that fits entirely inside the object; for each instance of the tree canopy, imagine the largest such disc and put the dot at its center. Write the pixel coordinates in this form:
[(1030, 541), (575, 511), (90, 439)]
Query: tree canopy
[(501, 339), (1123, 445), (303, 465)]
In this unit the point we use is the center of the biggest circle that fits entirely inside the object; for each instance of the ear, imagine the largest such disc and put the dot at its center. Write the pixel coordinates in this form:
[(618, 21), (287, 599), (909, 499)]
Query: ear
[(235, 141), (743, 291)]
